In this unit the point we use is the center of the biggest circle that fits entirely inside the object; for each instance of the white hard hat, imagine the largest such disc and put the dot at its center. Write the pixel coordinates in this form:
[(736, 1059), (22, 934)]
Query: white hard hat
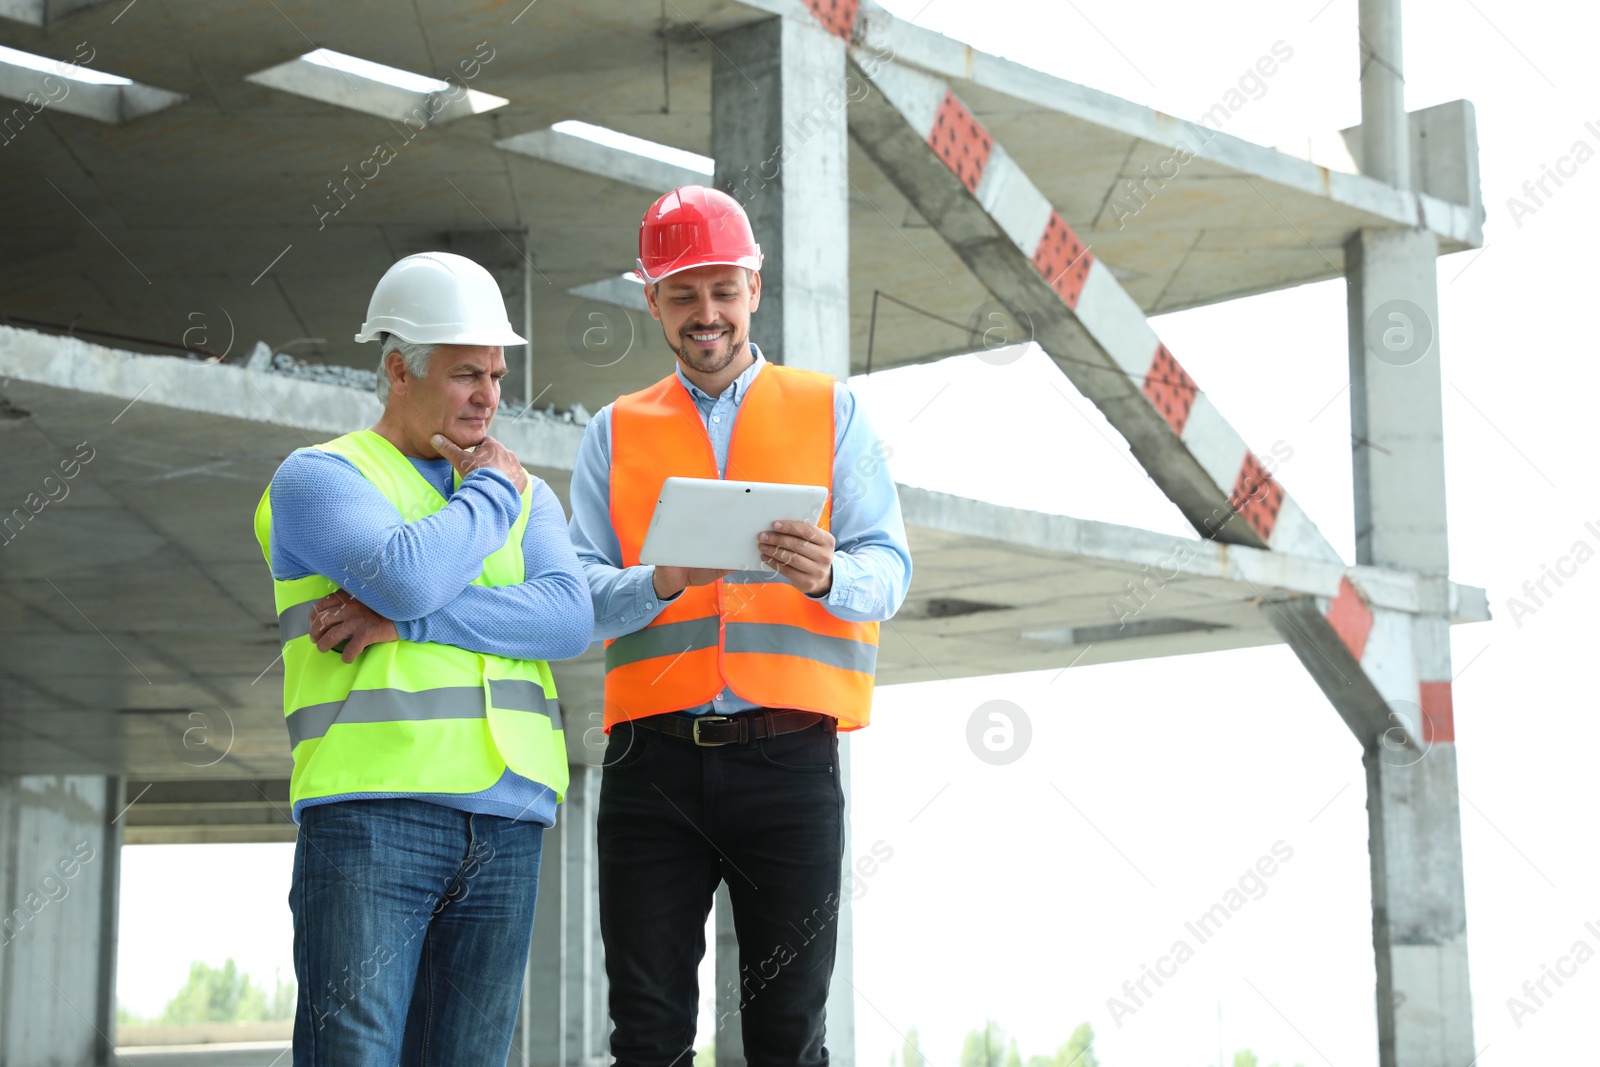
[(439, 298)]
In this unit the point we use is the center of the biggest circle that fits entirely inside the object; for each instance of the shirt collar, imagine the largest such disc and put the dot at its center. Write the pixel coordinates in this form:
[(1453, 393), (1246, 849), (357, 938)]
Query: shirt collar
[(739, 386)]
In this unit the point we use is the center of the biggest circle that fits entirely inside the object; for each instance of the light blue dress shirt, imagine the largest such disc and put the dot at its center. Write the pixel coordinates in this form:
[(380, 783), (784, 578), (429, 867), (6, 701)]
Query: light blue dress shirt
[(871, 560)]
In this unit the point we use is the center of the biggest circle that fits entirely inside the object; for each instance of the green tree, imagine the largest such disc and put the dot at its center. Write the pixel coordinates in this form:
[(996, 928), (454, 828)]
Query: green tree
[(226, 994), (911, 1050), (1079, 1049), (1245, 1058), (283, 999), (706, 1055), (984, 1048), (989, 1048)]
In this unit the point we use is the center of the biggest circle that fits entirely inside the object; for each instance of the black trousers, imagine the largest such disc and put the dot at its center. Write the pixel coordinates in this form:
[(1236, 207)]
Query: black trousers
[(675, 819)]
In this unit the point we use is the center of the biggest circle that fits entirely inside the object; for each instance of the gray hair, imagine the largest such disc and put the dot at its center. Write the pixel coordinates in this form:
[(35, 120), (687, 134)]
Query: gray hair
[(416, 357)]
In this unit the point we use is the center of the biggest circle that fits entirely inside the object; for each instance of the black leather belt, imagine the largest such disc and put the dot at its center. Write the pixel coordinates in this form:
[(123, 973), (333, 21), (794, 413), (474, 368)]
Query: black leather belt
[(709, 730)]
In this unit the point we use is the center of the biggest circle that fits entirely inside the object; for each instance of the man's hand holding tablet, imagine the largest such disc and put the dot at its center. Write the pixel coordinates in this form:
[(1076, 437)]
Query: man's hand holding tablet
[(670, 581), (706, 528), (802, 552)]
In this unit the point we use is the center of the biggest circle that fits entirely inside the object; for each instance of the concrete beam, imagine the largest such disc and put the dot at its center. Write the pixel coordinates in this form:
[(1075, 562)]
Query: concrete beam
[(338, 82), (1270, 575), (43, 12), (869, 26), (211, 812), (590, 157), (779, 138), (317, 410), (623, 290), (1352, 627)]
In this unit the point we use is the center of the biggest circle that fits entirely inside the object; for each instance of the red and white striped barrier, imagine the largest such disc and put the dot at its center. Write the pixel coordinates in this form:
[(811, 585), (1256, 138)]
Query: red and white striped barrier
[(1207, 469), (1006, 230)]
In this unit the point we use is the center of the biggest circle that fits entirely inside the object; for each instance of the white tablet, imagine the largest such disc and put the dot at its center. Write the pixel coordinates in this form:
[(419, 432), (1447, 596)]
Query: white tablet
[(711, 522)]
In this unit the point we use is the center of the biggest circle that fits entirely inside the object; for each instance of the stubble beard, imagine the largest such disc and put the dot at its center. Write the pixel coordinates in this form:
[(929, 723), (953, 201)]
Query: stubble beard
[(717, 359)]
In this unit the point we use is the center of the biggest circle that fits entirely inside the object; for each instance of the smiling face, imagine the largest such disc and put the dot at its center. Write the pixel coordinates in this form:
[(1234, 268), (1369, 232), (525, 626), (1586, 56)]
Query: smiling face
[(457, 397), (705, 315)]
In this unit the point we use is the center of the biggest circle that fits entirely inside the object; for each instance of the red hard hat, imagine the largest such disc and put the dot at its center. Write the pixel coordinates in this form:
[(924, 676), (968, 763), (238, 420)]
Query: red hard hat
[(695, 226)]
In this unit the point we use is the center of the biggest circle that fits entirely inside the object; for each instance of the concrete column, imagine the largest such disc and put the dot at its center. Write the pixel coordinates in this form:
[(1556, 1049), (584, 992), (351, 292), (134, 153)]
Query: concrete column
[(60, 859), (564, 1022), (779, 137), (1385, 130), (841, 1037), (528, 391), (842, 995), (1419, 920), (1396, 400), (781, 144), (726, 1023), (1414, 820)]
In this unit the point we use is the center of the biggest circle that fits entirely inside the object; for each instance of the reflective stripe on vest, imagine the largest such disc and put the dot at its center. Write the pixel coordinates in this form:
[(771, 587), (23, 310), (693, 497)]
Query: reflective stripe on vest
[(770, 643), (405, 717), (397, 705)]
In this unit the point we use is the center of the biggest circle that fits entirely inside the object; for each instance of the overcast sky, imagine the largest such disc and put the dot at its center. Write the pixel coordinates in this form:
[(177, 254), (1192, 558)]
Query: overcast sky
[(1031, 891)]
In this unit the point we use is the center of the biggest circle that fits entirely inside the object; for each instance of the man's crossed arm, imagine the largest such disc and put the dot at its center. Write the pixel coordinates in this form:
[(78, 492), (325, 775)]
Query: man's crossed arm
[(412, 581)]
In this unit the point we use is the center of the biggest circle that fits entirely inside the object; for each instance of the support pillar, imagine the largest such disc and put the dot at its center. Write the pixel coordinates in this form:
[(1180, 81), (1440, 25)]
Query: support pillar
[(779, 137), (726, 1030), (1418, 895), (528, 392), (1385, 129), (564, 1020), (60, 864), (781, 143), (842, 994)]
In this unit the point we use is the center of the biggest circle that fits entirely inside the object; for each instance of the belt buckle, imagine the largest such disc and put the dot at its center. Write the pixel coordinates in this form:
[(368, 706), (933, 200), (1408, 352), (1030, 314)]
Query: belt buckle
[(700, 719)]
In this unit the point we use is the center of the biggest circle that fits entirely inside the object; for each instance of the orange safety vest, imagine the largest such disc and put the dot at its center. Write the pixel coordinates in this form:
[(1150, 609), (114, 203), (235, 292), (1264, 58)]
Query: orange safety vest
[(771, 643)]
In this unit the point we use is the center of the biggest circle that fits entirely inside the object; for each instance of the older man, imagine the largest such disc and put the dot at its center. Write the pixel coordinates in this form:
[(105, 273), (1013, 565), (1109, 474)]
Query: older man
[(422, 581)]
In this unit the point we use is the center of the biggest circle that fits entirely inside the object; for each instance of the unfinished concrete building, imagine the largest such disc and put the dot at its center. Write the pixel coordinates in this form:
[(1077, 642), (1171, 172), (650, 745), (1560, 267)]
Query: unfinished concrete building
[(182, 182)]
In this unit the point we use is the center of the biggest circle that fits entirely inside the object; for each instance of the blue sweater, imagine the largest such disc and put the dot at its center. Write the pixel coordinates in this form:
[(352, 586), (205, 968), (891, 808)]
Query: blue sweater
[(328, 519)]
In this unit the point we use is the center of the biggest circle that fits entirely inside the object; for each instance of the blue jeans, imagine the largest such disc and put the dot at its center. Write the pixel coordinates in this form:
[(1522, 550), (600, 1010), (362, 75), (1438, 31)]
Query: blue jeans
[(411, 930)]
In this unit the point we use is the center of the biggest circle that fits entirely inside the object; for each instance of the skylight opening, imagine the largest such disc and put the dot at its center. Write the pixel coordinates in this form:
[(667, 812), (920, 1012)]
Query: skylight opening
[(378, 72), (348, 81), (60, 68), (638, 146)]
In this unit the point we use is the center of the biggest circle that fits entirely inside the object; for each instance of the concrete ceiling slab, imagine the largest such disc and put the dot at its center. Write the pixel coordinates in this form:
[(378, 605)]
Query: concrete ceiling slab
[(243, 214), (137, 633)]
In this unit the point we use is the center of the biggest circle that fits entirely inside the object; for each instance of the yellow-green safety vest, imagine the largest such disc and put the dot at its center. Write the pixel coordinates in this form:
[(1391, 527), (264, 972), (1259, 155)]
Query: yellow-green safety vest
[(409, 717)]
